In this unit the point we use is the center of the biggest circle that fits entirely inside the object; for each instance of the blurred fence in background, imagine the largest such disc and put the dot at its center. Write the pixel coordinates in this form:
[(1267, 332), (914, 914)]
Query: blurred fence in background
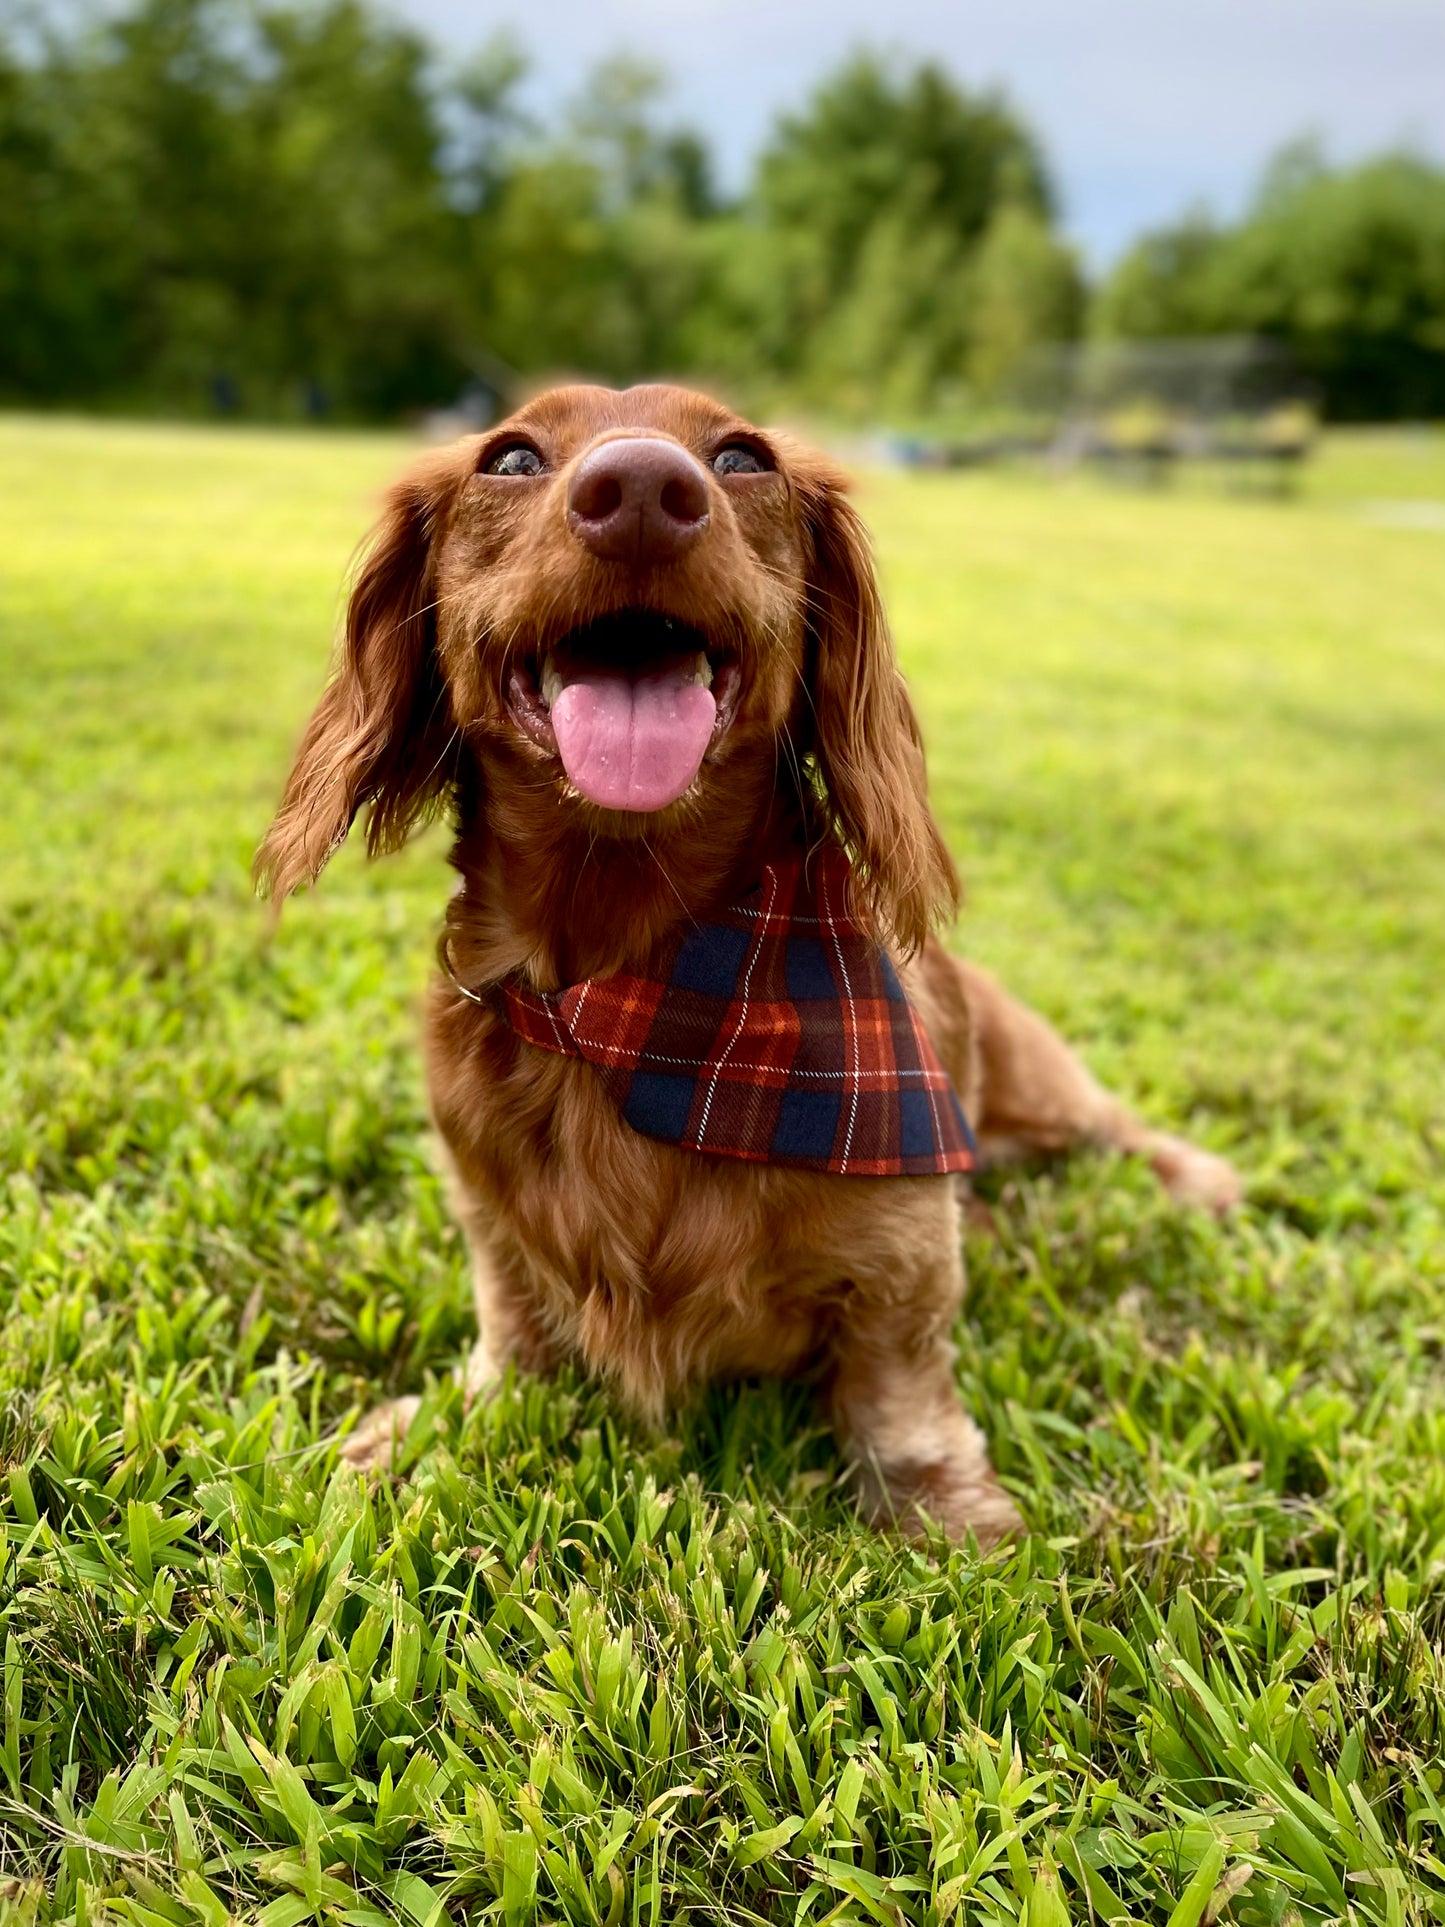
[(1138, 410), (233, 207)]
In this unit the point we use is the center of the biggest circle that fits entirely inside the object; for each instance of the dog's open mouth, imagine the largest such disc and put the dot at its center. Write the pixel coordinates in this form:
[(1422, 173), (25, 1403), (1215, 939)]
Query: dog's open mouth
[(631, 704)]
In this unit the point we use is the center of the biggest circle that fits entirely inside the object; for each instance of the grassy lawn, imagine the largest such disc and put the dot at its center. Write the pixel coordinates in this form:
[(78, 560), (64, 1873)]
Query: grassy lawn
[(1191, 753)]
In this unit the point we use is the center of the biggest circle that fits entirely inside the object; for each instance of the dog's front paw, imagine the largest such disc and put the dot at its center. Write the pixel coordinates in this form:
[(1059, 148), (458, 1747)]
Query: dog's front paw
[(1194, 1176), (983, 1509), (957, 1498), (375, 1445)]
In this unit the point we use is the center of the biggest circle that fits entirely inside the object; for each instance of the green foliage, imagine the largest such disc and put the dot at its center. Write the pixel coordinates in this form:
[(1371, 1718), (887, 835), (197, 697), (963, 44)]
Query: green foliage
[(563, 1669), (238, 204), (1025, 288), (1345, 266), (893, 191), (233, 199), (290, 207), (878, 140), (1161, 286)]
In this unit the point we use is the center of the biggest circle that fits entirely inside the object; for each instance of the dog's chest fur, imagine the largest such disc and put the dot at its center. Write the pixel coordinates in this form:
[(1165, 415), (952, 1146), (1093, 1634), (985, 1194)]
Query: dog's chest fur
[(654, 1266)]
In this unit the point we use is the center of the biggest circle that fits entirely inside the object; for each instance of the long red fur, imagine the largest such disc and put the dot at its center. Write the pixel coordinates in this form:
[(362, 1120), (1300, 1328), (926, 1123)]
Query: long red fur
[(657, 1267)]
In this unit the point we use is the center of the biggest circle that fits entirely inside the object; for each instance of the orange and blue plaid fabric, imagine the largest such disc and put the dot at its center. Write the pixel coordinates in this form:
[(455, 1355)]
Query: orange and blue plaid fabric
[(778, 1033)]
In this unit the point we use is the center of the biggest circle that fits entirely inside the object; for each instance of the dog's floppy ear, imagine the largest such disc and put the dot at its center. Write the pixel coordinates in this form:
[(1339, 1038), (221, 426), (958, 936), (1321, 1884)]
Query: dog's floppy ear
[(865, 736), (382, 733)]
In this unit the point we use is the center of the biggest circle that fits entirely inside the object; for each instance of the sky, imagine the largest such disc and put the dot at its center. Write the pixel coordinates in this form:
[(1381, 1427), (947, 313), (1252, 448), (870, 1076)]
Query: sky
[(1145, 107)]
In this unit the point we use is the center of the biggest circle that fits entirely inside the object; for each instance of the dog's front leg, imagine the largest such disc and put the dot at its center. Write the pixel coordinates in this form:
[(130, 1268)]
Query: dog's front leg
[(917, 1454), (509, 1328), (507, 1332)]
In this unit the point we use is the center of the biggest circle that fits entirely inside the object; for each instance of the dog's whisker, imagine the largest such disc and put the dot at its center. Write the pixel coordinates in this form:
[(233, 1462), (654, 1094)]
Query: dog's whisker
[(682, 900)]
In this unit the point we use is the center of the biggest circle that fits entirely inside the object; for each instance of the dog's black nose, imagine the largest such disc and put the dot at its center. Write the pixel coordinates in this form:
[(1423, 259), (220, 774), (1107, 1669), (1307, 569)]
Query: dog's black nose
[(637, 499)]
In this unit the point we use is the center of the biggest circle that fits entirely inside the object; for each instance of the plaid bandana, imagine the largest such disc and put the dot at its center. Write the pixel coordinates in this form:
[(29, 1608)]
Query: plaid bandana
[(778, 1033)]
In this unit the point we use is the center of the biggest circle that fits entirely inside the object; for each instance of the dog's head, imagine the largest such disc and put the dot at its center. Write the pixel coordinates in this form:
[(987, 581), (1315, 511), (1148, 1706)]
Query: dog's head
[(637, 611)]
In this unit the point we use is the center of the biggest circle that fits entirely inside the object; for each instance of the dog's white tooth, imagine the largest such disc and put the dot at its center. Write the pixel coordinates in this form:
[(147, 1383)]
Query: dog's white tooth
[(552, 684), (702, 674)]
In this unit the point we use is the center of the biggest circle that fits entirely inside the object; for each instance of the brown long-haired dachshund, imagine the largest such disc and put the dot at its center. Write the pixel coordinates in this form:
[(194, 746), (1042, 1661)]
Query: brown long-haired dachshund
[(635, 646)]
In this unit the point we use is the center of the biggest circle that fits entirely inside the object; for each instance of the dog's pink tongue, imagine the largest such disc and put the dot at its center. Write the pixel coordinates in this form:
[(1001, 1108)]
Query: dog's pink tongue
[(633, 742)]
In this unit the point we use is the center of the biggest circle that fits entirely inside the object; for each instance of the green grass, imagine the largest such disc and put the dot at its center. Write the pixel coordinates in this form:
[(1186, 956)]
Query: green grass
[(1191, 752)]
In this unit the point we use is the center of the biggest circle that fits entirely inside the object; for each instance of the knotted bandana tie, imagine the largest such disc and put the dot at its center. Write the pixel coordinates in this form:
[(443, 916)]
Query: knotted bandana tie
[(778, 1033)]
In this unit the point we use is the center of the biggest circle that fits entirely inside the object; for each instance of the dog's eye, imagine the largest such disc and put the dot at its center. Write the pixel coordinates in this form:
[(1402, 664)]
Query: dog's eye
[(520, 459), (739, 458)]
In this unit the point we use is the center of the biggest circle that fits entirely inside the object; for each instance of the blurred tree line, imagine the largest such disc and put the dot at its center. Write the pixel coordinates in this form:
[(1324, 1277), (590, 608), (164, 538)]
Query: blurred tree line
[(293, 206), (1346, 267), (298, 208)]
